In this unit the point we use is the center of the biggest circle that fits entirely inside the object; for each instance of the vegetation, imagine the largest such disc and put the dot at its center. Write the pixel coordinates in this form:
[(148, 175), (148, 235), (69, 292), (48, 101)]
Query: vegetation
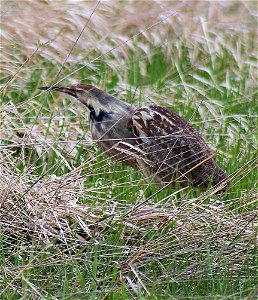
[(74, 224)]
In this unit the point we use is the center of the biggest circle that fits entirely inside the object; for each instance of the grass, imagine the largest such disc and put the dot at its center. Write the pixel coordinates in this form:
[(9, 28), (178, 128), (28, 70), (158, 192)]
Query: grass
[(76, 225)]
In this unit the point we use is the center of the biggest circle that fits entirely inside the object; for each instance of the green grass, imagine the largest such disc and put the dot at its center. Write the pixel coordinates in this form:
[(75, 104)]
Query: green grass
[(198, 252)]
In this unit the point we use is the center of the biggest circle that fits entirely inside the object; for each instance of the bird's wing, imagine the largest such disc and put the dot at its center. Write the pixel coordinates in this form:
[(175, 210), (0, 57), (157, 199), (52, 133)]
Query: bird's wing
[(176, 149)]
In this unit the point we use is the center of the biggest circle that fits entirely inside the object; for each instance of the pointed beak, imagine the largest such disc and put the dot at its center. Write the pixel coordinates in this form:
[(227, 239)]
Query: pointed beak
[(62, 89)]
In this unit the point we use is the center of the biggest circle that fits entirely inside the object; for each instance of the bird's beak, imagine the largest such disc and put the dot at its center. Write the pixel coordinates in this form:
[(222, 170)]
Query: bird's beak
[(62, 89)]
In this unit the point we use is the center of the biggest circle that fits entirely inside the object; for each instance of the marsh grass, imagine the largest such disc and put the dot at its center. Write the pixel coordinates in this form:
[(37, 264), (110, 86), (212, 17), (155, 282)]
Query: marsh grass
[(76, 225)]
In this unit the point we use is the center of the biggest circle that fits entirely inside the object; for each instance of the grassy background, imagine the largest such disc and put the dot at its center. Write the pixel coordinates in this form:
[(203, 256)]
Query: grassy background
[(75, 225)]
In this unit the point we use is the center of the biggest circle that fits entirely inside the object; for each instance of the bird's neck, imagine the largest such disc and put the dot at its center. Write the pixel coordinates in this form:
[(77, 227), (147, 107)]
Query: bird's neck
[(97, 117), (107, 107)]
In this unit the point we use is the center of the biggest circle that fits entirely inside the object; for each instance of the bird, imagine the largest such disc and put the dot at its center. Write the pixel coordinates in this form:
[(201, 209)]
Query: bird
[(155, 140)]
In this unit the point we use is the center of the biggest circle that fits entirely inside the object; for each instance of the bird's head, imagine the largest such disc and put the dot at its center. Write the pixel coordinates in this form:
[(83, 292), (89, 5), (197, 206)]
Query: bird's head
[(95, 99)]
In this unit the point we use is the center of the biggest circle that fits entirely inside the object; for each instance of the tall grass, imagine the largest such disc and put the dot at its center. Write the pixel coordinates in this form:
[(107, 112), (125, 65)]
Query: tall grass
[(74, 224)]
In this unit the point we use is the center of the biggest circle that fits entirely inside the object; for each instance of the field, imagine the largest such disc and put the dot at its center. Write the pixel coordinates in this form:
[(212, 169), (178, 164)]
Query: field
[(76, 225)]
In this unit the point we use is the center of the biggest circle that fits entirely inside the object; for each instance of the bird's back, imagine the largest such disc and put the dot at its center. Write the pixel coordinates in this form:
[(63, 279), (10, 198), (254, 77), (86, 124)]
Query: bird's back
[(177, 151)]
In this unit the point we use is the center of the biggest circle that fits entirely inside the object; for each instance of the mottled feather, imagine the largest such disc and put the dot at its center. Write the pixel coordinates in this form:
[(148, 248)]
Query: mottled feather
[(177, 151)]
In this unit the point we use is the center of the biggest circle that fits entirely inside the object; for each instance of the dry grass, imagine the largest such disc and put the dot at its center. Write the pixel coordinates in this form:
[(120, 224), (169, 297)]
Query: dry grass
[(47, 212), (52, 28)]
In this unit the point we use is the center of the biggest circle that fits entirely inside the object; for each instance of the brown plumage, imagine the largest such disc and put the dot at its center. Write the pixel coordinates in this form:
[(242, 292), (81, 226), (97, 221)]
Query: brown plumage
[(155, 140)]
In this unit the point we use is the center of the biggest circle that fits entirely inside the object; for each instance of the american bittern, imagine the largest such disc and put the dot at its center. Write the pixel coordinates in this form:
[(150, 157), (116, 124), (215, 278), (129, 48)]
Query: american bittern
[(155, 140)]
